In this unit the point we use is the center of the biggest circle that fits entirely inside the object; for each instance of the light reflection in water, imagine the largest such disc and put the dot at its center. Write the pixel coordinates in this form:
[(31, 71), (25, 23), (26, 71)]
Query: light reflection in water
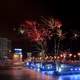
[(69, 77)]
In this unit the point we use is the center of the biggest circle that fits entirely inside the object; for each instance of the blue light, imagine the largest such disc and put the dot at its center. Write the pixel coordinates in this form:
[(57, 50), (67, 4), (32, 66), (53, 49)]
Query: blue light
[(62, 66), (59, 70), (32, 64), (38, 69), (50, 72), (79, 69), (38, 65), (27, 63), (69, 77), (18, 51), (75, 69), (71, 69), (43, 67), (48, 67)]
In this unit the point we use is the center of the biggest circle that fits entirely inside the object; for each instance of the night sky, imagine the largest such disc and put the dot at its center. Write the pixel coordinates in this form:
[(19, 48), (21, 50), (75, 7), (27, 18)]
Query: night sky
[(12, 12)]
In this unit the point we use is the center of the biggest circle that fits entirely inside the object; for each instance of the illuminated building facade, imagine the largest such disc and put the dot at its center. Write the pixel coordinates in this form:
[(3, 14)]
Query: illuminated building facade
[(5, 46), (17, 55)]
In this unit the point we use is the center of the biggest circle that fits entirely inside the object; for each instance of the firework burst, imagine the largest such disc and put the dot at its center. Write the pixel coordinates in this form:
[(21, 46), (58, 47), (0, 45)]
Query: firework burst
[(40, 32)]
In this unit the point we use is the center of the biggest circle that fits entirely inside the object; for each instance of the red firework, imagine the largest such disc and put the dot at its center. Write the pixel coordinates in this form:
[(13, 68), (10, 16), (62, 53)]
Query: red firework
[(31, 31), (36, 33), (58, 23)]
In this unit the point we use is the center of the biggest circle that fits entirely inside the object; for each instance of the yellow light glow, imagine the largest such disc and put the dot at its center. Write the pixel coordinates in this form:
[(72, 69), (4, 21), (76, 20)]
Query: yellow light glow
[(16, 56)]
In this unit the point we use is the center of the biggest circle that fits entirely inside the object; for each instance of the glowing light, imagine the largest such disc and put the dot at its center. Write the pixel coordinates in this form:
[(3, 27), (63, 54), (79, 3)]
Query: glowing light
[(61, 55), (71, 69), (51, 22), (50, 72), (27, 63), (22, 31), (62, 66), (75, 35), (69, 77), (78, 54), (38, 69), (16, 56), (38, 65), (48, 67), (40, 58), (79, 69), (58, 57), (18, 51), (74, 56), (70, 55), (59, 70), (9, 51), (36, 32), (58, 23), (64, 55), (32, 64), (43, 67), (54, 57), (75, 69)]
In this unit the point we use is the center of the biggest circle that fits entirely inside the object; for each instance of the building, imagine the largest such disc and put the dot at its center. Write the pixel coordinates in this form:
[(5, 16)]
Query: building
[(17, 55), (5, 47)]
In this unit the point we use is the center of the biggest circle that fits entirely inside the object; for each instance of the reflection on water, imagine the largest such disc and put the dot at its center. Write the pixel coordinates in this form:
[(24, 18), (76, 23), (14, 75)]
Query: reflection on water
[(28, 74), (63, 77), (69, 77)]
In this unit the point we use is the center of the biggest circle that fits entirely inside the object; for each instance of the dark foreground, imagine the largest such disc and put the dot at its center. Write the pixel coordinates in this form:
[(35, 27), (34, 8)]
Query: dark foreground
[(22, 73)]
